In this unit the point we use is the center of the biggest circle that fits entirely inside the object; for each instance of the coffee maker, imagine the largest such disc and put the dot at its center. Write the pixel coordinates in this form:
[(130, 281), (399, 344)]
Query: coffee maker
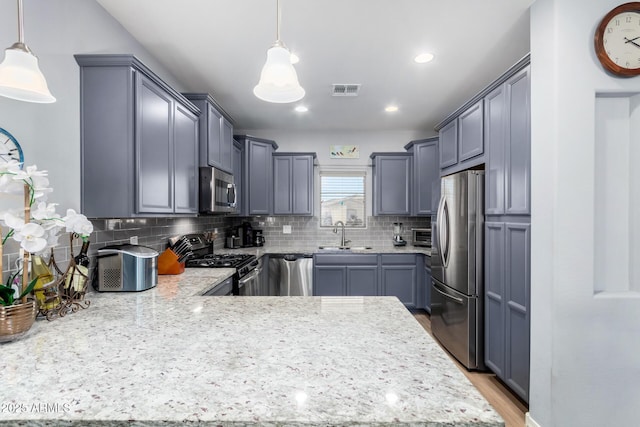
[(245, 231), (397, 235), (258, 238)]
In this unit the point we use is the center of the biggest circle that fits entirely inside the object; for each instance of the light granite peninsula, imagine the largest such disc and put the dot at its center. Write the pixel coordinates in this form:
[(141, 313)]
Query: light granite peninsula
[(169, 356)]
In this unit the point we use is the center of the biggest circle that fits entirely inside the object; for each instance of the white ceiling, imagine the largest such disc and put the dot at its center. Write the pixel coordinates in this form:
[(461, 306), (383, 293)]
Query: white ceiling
[(219, 46)]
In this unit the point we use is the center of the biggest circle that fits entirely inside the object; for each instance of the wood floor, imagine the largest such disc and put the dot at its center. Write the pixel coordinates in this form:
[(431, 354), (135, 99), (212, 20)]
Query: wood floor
[(508, 405)]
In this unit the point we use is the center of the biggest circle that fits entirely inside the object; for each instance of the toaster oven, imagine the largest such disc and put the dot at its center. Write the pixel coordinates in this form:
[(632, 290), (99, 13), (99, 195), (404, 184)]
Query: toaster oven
[(421, 237)]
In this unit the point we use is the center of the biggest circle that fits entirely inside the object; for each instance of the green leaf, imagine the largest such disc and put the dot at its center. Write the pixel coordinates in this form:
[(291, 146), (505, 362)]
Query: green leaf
[(30, 287), (6, 295)]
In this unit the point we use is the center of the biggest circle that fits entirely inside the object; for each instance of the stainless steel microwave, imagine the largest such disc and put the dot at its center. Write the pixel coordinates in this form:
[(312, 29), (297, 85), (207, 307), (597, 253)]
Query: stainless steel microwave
[(421, 237), (217, 191)]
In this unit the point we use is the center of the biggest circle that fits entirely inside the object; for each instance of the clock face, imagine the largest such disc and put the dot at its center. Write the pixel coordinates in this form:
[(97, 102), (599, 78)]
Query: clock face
[(9, 147), (617, 40)]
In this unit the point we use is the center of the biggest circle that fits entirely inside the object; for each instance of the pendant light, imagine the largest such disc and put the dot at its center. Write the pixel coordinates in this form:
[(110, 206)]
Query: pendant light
[(278, 79), (20, 76)]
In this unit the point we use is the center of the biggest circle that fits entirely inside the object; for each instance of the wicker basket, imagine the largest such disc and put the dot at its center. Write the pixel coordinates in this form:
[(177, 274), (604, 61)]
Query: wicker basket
[(16, 320)]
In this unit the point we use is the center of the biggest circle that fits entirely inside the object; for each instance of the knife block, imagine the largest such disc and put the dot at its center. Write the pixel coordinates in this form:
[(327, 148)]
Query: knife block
[(168, 263)]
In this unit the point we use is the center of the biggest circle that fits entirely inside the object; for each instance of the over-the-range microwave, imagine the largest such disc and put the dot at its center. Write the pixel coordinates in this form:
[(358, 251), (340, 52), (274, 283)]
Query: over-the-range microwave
[(217, 191)]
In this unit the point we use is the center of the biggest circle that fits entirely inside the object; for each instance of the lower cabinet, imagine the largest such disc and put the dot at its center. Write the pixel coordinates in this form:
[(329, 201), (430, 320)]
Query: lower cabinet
[(507, 303), (398, 277), (345, 274), (368, 275)]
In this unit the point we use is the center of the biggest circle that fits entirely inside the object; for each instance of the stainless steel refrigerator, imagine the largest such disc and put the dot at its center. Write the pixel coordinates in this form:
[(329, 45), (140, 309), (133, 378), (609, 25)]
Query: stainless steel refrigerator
[(457, 268)]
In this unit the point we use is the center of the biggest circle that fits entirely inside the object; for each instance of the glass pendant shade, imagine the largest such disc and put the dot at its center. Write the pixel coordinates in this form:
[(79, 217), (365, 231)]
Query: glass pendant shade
[(21, 78), (278, 79)]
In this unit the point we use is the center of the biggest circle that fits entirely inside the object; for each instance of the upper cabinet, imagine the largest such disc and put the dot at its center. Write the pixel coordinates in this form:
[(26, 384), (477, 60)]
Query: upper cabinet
[(392, 177), (462, 139), (426, 176), (236, 156), (508, 136), (257, 175), (139, 140), (293, 183), (216, 133)]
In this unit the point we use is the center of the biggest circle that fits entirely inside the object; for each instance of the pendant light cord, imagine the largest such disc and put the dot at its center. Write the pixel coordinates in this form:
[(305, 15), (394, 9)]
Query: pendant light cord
[(20, 23), (277, 20)]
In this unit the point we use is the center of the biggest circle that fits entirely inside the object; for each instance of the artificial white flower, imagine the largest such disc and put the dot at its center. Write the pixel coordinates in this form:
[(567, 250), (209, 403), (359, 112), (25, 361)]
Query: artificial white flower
[(30, 237), (77, 223), (12, 221), (36, 179), (44, 211)]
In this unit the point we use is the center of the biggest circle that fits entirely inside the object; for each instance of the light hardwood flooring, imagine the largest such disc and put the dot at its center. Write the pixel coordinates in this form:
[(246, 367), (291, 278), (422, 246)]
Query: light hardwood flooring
[(507, 404)]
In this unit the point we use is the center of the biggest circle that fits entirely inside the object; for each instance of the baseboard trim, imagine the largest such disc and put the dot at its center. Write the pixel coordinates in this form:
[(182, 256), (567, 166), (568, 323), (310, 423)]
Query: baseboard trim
[(530, 422)]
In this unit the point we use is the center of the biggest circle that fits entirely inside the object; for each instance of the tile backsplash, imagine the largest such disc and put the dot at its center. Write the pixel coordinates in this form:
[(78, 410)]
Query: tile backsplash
[(155, 232), (305, 230)]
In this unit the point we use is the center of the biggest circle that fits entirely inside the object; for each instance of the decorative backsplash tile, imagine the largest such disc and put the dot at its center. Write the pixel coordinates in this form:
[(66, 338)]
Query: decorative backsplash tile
[(155, 233)]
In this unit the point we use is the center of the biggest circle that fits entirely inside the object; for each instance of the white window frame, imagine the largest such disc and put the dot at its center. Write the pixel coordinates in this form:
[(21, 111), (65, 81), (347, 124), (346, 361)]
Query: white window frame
[(352, 170)]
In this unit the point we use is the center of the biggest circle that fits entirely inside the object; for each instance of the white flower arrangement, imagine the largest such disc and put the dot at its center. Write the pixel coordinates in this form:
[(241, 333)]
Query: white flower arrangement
[(40, 233), (37, 225)]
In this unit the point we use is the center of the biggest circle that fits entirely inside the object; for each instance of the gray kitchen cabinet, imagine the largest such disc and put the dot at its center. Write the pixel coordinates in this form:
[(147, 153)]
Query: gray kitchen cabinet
[(426, 176), (507, 228), (494, 299), (462, 139), (329, 280), (494, 129), (398, 277), (185, 155), (424, 282), (518, 144), (154, 147), (362, 280), (138, 141), (392, 177), (508, 138), (345, 274), (257, 175), (470, 133), (216, 133), (448, 137), (237, 173), (293, 183), (507, 303)]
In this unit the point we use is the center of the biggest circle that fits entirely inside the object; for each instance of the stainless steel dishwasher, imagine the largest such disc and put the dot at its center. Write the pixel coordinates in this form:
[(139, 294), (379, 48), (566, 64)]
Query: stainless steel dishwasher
[(291, 274)]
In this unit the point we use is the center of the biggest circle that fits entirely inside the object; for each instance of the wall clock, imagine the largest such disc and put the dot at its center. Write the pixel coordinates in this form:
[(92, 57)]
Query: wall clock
[(617, 40), (9, 148)]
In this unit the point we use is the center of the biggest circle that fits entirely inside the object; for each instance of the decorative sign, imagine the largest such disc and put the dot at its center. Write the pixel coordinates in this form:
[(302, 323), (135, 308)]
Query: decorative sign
[(344, 151)]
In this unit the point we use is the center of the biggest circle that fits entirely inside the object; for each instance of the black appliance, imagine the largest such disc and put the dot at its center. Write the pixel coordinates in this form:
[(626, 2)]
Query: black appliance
[(245, 231), (203, 257), (258, 238)]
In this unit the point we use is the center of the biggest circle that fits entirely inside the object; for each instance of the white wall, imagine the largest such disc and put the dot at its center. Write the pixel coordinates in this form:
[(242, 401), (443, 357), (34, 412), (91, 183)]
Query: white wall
[(49, 134), (319, 142), (585, 345)]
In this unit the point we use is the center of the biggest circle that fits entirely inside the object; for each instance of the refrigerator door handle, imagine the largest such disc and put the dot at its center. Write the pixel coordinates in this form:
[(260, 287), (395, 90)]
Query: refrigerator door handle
[(445, 294), (443, 231)]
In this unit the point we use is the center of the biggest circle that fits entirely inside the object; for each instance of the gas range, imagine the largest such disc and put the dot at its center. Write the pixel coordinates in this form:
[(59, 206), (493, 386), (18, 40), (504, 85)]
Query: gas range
[(240, 262)]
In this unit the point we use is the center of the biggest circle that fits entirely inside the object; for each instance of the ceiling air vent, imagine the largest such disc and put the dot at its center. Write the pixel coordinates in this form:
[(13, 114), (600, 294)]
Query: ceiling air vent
[(345, 89)]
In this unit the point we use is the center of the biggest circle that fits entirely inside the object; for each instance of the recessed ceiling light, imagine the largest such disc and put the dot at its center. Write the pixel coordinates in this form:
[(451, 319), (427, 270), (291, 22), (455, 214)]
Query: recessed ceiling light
[(301, 109), (294, 58), (391, 109), (423, 58)]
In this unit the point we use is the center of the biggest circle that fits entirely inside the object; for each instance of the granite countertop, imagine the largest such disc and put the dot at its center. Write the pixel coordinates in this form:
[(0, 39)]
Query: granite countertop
[(168, 355)]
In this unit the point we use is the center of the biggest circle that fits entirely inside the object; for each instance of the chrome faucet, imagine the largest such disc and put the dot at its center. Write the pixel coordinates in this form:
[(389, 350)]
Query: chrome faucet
[(343, 241)]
